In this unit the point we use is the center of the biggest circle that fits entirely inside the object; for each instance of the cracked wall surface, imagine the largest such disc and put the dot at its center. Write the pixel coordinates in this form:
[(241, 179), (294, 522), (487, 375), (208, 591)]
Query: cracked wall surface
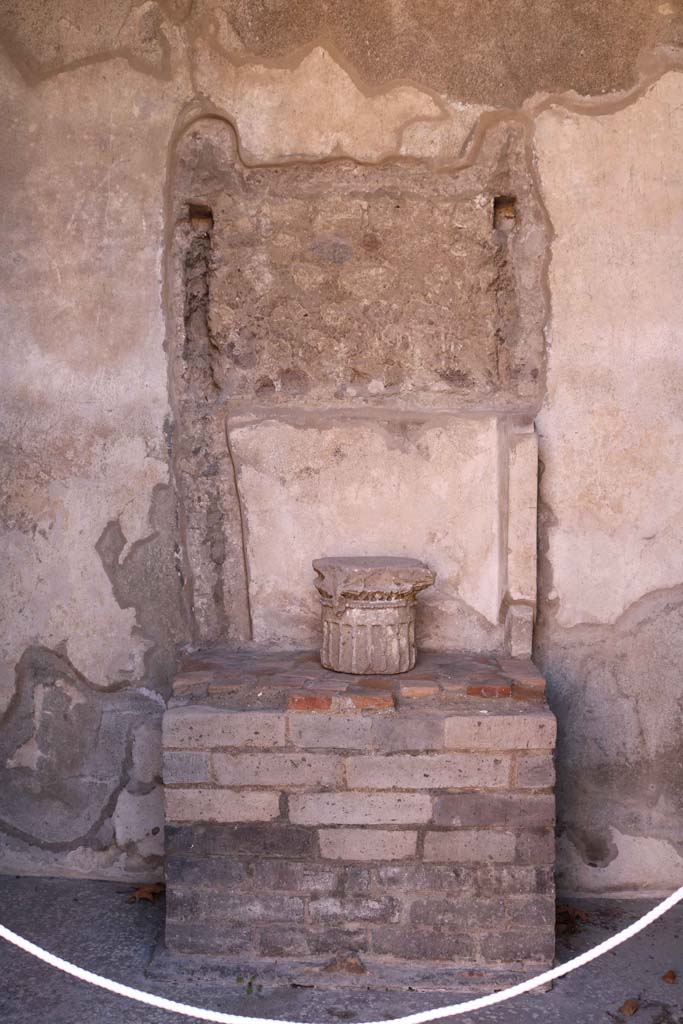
[(97, 549), (611, 443)]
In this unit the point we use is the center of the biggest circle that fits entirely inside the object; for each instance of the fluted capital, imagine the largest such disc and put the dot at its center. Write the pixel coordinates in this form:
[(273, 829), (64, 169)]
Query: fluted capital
[(368, 612)]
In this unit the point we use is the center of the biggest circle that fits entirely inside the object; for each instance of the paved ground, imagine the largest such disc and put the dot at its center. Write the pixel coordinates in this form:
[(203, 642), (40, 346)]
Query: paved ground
[(94, 925)]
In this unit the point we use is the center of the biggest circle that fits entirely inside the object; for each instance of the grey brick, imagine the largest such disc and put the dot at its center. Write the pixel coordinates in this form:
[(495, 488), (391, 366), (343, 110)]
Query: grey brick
[(470, 846), (279, 941), (360, 808), (338, 940), (221, 805), (521, 731), (532, 911), (460, 912), (355, 879), (204, 728), (217, 938), (507, 878), (335, 910), (343, 732), (436, 771), (186, 766), (545, 876), (428, 877), (535, 771), (511, 809), (536, 847), (399, 732), (410, 944), (186, 904), (207, 872), (367, 844), (295, 876), (272, 840), (279, 770), (474, 880), (536, 946)]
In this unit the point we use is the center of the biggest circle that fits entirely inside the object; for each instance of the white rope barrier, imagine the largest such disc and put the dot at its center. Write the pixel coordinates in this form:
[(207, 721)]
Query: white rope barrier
[(414, 1018)]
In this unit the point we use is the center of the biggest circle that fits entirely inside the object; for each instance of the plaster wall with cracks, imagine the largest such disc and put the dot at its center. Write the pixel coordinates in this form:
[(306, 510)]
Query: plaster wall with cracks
[(94, 575)]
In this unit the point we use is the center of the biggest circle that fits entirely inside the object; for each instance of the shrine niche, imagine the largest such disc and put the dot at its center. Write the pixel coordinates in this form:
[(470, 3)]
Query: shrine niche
[(356, 357)]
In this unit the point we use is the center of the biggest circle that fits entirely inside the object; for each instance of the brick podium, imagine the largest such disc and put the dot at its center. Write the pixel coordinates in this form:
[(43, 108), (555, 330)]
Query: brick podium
[(380, 832)]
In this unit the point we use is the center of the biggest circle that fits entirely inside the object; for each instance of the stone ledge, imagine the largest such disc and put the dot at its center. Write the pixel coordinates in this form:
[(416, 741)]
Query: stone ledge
[(330, 972), (249, 680)]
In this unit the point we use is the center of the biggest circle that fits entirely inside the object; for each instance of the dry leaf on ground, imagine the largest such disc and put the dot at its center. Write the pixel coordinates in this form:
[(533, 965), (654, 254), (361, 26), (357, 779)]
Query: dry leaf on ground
[(670, 977), (629, 1008), (570, 919), (146, 892)]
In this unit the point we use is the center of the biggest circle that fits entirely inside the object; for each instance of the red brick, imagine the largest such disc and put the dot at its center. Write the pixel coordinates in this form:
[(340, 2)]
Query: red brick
[(377, 683), (418, 690), (309, 702), (372, 701), (451, 687), (489, 690), (529, 690)]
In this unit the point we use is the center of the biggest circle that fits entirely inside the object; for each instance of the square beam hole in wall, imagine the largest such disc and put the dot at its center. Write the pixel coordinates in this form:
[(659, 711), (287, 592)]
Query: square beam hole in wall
[(504, 213)]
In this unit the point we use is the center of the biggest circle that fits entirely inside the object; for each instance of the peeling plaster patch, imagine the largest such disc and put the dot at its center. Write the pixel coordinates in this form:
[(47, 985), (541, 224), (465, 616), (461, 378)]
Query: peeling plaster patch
[(55, 586), (139, 821), (6, 684), (28, 754), (640, 864), (611, 429), (21, 858), (146, 753), (64, 752), (616, 691), (144, 577), (314, 110), (85, 389)]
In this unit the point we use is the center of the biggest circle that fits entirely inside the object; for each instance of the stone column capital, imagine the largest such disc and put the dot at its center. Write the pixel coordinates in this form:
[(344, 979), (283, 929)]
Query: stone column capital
[(371, 578), (368, 612)]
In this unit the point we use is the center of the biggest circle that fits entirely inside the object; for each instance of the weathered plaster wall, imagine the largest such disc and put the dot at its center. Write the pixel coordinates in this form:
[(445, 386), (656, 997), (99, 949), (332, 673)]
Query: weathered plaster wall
[(611, 438), (95, 97)]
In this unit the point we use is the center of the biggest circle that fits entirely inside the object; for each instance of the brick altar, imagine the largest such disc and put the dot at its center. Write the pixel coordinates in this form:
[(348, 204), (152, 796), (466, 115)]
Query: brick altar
[(387, 832)]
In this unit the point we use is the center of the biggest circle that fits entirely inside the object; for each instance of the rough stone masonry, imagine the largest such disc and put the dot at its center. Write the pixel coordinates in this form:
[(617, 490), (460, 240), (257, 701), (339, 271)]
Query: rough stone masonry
[(336, 830)]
